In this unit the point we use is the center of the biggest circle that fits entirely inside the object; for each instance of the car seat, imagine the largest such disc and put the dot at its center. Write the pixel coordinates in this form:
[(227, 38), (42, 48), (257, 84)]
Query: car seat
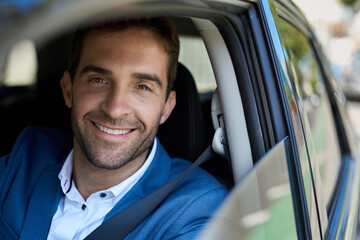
[(185, 134), (182, 134)]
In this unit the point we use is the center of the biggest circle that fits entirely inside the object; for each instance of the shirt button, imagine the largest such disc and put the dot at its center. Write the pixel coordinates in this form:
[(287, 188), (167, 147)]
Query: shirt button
[(102, 195)]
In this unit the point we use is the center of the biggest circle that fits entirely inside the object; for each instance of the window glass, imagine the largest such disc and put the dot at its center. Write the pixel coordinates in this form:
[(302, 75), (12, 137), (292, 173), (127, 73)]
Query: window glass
[(292, 94), (21, 65), (194, 56), (260, 206), (315, 109)]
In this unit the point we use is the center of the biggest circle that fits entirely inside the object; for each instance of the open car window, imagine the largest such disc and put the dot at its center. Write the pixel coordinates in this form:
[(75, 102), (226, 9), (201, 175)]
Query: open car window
[(235, 91), (204, 53)]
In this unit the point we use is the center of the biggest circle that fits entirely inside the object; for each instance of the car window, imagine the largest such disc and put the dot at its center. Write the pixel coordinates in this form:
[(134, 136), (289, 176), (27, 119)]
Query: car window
[(297, 126), (315, 110), (194, 56), (20, 65), (265, 202)]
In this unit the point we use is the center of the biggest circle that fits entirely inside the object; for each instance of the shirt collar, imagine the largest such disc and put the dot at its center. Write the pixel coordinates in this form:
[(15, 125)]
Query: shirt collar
[(65, 174), (122, 188)]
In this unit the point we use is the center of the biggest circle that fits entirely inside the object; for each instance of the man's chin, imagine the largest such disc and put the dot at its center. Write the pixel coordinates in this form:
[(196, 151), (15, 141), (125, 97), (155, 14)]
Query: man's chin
[(106, 160), (105, 166)]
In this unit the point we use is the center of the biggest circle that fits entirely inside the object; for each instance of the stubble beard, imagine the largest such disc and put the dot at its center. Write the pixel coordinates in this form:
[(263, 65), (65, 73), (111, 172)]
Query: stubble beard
[(107, 155)]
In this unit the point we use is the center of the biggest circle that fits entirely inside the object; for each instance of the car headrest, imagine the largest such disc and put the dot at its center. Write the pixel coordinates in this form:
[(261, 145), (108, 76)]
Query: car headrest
[(182, 134)]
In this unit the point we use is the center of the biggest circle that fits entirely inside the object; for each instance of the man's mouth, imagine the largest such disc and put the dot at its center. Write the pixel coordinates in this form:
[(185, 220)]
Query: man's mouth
[(112, 131)]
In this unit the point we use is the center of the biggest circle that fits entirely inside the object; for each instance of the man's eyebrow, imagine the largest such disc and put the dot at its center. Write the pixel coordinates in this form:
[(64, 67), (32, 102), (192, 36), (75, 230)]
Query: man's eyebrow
[(97, 69), (152, 77)]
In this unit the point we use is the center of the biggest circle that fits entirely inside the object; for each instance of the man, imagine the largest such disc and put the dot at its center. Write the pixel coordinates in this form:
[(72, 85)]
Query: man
[(118, 88)]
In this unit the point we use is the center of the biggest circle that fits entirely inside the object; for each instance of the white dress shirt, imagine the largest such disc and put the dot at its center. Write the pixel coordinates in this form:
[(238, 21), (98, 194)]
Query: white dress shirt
[(76, 218)]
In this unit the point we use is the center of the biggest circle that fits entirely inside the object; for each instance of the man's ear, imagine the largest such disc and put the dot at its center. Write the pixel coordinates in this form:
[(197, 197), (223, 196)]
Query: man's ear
[(169, 106), (66, 86)]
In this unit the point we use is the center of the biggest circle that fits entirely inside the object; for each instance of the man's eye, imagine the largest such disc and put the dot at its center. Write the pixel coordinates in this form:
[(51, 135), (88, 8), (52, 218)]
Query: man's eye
[(98, 80), (144, 87)]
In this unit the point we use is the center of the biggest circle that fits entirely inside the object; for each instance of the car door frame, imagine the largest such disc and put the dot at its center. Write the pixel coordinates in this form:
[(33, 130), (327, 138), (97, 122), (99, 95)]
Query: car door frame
[(281, 79)]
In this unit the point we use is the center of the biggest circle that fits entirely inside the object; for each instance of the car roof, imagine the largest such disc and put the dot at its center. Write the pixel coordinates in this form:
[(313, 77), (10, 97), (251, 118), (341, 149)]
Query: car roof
[(40, 20), (45, 19)]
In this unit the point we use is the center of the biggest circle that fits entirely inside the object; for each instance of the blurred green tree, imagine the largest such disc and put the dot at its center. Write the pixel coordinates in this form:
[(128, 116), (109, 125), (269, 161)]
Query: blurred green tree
[(349, 2)]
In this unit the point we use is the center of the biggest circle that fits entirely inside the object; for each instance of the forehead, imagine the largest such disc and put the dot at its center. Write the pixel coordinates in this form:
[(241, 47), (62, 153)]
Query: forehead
[(134, 49), (134, 38)]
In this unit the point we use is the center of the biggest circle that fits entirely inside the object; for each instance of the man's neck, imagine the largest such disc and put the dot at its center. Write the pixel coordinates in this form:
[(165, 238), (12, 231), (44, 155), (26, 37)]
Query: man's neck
[(90, 179)]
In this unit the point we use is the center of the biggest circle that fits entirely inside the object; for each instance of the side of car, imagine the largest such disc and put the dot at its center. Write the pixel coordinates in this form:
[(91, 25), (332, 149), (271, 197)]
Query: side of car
[(293, 165), (322, 161)]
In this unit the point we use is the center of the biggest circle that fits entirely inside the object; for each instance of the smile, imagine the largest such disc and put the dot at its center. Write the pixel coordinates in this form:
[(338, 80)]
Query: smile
[(112, 131)]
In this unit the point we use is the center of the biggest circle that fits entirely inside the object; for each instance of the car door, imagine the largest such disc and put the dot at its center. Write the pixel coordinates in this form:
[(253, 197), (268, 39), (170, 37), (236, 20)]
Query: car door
[(252, 202), (325, 198), (327, 145)]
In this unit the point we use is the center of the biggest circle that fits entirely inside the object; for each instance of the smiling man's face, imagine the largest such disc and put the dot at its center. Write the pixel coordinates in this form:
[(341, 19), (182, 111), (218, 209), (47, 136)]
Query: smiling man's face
[(118, 96)]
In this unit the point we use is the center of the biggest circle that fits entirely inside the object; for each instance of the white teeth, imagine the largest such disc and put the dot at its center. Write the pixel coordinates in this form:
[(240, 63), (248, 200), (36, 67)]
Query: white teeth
[(112, 131)]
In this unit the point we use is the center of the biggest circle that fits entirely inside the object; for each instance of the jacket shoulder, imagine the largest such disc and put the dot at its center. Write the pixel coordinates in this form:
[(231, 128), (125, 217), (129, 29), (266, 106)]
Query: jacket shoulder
[(42, 138), (188, 207), (38, 152), (34, 150)]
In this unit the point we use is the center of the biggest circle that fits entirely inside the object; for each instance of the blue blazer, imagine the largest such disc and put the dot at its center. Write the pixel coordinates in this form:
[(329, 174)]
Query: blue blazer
[(30, 191)]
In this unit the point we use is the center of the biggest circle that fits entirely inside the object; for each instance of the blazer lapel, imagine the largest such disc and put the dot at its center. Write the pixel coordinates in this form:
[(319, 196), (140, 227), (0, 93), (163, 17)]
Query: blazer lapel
[(43, 204)]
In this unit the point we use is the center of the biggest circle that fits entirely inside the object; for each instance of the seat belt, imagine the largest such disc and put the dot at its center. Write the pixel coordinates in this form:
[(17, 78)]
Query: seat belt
[(120, 225)]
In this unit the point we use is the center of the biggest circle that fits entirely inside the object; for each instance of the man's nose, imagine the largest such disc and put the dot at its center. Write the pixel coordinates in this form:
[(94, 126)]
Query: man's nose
[(117, 102)]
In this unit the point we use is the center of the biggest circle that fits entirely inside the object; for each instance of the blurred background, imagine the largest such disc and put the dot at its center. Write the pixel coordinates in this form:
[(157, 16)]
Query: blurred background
[(337, 25)]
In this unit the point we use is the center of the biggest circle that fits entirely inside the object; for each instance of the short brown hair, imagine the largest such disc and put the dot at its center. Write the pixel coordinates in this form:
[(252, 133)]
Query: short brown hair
[(162, 27)]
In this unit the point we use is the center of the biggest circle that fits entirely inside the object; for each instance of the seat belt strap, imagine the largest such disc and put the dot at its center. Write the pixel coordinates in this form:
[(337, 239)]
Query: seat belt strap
[(120, 225)]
